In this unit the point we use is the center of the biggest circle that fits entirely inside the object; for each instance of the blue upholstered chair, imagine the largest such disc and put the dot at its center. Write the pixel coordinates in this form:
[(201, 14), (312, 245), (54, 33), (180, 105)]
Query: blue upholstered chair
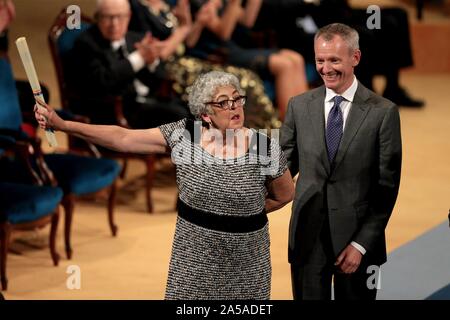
[(26, 207), (61, 41), (76, 175)]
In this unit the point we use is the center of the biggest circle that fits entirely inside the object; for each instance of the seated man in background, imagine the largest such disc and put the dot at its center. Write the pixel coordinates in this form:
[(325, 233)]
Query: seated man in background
[(108, 60)]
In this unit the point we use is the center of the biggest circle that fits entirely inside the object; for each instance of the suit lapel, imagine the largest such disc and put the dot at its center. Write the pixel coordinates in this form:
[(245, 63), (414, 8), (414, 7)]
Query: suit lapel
[(355, 118), (317, 115), (129, 43)]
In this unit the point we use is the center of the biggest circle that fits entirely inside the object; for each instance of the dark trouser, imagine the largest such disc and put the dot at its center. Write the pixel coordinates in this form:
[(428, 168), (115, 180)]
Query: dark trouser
[(393, 34), (312, 280)]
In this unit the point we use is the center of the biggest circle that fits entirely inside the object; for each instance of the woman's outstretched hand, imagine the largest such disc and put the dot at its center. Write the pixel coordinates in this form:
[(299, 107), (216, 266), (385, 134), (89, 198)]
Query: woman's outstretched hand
[(47, 117)]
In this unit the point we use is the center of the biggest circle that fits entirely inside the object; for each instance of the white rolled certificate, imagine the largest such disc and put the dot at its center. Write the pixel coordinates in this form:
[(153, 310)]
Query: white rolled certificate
[(28, 65)]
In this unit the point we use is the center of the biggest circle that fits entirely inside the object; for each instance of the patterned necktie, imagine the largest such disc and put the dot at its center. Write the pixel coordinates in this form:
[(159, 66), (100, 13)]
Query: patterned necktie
[(334, 128)]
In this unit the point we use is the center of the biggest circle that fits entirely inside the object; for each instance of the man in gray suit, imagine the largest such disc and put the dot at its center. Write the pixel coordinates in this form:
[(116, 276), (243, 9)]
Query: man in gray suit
[(345, 143)]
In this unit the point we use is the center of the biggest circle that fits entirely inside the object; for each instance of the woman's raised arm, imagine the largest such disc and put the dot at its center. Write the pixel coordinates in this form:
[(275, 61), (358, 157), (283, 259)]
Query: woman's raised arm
[(112, 137)]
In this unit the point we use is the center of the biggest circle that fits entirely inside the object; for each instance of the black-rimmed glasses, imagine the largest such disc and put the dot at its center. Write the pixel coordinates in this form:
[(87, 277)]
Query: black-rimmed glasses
[(228, 104)]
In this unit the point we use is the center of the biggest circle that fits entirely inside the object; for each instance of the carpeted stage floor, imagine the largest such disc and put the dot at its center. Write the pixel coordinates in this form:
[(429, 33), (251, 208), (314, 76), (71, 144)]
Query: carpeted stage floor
[(134, 265)]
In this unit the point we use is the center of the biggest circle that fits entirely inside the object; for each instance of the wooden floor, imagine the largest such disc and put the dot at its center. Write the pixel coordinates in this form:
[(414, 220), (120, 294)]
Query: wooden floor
[(134, 265)]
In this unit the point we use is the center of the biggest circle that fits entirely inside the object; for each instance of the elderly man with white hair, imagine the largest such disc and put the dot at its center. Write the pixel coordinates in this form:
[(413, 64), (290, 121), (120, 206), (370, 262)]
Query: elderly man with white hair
[(108, 60)]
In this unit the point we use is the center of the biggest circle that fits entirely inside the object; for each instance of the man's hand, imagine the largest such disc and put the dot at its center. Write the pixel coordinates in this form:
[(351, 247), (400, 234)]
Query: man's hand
[(349, 259), (147, 49)]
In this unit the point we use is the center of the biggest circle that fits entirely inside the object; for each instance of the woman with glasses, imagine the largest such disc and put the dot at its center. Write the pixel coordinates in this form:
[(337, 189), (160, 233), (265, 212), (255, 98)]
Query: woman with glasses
[(229, 177)]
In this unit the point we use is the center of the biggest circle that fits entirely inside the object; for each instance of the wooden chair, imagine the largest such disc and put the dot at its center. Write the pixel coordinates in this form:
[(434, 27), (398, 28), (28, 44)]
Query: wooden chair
[(27, 206), (77, 175), (61, 41)]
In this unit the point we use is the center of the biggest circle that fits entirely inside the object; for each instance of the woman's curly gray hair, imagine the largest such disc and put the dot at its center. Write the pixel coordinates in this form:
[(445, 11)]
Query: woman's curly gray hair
[(205, 87)]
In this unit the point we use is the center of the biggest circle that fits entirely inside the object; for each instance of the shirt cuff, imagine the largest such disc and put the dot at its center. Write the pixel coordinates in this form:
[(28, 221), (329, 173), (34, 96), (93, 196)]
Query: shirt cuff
[(152, 67), (136, 61), (359, 247)]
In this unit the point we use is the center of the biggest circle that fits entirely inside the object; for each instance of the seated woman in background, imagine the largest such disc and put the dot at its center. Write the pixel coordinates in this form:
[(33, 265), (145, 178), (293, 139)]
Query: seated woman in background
[(229, 177), (173, 27), (286, 67)]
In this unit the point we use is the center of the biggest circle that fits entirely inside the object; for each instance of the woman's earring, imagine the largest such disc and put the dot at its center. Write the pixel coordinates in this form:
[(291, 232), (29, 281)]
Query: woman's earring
[(208, 123)]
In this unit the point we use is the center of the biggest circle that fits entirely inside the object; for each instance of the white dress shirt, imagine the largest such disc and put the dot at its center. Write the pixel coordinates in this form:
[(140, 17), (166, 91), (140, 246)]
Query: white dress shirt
[(137, 63), (345, 106)]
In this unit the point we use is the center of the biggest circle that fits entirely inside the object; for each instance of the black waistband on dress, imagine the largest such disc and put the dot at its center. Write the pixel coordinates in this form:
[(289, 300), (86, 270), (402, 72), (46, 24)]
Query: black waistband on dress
[(225, 223)]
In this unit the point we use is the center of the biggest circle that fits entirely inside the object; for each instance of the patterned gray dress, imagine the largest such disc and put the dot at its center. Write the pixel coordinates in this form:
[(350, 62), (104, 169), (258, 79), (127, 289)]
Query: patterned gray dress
[(221, 243)]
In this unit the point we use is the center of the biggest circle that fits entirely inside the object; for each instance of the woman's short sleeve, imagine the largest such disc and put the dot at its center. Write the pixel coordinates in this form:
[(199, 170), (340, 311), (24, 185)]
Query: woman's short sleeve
[(277, 165), (173, 132)]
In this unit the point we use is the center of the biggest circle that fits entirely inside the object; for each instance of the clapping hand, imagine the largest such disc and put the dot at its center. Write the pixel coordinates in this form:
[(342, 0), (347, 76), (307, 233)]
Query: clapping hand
[(147, 49)]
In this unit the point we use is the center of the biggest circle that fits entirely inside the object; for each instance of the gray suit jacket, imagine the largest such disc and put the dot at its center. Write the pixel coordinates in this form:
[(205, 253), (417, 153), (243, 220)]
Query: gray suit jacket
[(358, 191)]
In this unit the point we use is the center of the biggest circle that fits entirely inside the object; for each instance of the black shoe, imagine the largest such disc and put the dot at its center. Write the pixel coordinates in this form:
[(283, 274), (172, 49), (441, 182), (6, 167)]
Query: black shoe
[(401, 98)]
